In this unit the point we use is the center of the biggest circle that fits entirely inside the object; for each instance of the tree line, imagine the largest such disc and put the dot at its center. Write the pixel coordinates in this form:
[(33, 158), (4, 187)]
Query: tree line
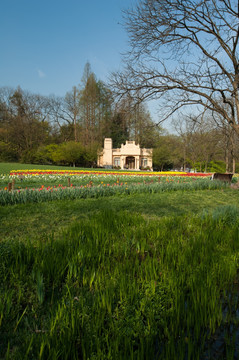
[(183, 54), (199, 144), (70, 130)]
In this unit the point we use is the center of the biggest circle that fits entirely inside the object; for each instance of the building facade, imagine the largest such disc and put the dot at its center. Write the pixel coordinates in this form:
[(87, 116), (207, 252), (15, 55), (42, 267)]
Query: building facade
[(128, 156)]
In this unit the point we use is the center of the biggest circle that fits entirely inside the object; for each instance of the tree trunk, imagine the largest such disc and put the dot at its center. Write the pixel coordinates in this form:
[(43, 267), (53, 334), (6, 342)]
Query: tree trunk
[(184, 159), (233, 165), (226, 160)]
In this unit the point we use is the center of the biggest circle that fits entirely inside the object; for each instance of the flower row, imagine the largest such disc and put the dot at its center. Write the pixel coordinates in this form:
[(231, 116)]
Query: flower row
[(51, 193), (36, 172)]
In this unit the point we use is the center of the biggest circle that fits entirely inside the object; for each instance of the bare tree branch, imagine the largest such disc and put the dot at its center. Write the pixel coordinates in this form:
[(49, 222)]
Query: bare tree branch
[(183, 52)]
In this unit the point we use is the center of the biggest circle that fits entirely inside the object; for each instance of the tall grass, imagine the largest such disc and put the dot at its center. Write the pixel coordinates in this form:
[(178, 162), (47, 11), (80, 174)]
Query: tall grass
[(30, 180), (102, 190), (118, 286)]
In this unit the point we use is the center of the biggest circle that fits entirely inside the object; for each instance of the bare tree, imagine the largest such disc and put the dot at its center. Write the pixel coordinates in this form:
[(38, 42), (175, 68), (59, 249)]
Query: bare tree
[(185, 53), (23, 121), (64, 114), (185, 130), (228, 142), (72, 109), (200, 139), (95, 107)]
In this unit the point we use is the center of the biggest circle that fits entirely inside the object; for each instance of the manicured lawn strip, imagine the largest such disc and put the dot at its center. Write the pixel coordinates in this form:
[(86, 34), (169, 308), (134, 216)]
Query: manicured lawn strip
[(38, 220), (5, 168), (119, 286)]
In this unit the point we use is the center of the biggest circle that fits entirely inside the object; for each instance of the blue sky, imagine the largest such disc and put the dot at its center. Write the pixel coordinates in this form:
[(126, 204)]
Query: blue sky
[(45, 44)]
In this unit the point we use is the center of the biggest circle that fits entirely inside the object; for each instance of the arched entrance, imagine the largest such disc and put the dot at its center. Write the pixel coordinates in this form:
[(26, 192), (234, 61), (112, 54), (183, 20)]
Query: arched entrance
[(130, 162)]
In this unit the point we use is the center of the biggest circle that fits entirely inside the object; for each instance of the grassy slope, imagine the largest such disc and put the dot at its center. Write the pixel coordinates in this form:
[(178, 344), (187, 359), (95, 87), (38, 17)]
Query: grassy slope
[(38, 220)]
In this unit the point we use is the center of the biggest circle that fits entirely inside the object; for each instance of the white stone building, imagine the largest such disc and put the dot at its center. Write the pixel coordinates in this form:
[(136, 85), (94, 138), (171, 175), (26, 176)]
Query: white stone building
[(129, 156)]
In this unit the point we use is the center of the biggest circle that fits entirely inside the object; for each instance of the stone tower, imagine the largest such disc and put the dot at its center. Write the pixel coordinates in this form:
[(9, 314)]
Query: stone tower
[(108, 152)]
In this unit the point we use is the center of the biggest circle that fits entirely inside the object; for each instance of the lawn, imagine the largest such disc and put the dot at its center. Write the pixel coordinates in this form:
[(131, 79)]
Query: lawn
[(147, 275), (5, 168), (33, 220)]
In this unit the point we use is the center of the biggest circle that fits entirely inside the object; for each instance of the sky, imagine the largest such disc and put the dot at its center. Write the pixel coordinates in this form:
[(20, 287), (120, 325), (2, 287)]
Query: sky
[(45, 44)]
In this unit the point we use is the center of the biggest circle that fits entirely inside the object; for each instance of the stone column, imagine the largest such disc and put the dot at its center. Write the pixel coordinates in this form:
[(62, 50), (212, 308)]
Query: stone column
[(136, 162), (122, 159), (108, 155)]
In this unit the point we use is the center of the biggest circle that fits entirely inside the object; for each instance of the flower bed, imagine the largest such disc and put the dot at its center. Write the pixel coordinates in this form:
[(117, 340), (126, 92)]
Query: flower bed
[(104, 172), (47, 185), (37, 178), (90, 190)]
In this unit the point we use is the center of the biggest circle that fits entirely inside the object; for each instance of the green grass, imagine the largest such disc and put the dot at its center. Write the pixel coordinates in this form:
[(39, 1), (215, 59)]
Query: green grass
[(36, 220), (5, 168), (137, 276), (52, 193), (118, 286)]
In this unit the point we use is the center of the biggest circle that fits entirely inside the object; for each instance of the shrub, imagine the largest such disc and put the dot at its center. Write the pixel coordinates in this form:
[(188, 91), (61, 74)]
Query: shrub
[(217, 166)]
